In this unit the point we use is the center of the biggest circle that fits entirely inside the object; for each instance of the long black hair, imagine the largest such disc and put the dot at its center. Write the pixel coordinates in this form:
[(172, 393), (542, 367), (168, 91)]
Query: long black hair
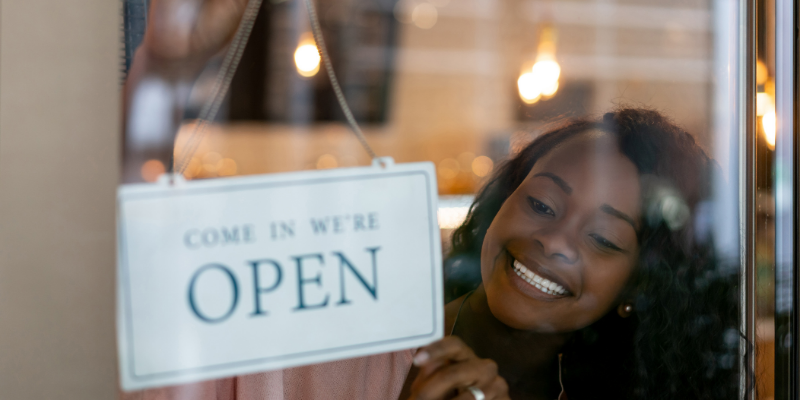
[(683, 339)]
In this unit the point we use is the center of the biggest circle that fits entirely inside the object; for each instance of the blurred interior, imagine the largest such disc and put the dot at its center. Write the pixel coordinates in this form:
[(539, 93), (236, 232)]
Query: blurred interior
[(464, 83)]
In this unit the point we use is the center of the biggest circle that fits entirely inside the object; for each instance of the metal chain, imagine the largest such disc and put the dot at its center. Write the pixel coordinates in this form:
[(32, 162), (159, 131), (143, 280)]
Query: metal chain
[(317, 31), (221, 85)]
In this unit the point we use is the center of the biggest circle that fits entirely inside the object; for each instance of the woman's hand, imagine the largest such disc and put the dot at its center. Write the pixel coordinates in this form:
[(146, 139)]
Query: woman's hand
[(180, 38), (448, 367), (182, 35)]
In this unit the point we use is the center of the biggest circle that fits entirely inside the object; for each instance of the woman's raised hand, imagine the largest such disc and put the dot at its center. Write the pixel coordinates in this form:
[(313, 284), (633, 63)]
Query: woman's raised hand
[(448, 367), (182, 35)]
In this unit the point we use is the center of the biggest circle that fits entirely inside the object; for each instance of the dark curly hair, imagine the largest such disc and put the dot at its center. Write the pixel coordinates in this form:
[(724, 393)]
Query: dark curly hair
[(683, 340)]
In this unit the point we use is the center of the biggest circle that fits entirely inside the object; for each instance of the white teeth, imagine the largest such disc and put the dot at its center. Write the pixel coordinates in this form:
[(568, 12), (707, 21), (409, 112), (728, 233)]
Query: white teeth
[(545, 285)]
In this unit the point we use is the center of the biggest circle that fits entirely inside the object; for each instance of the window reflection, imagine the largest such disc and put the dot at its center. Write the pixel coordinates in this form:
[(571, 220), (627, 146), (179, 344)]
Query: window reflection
[(510, 101)]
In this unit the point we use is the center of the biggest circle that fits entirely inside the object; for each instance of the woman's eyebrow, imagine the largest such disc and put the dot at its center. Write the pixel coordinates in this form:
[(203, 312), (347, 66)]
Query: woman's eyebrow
[(619, 214), (558, 181)]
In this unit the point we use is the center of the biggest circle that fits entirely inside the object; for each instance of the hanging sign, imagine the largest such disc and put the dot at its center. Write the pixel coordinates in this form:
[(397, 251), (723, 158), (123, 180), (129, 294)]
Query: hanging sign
[(239, 275)]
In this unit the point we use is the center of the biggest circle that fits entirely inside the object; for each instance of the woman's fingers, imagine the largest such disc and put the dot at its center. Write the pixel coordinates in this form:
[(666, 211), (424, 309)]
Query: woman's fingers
[(440, 353), (451, 348), (480, 373), (447, 367)]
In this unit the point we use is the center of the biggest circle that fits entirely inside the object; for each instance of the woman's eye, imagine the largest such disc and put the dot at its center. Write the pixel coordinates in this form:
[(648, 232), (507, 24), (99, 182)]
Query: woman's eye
[(540, 208), (603, 242)]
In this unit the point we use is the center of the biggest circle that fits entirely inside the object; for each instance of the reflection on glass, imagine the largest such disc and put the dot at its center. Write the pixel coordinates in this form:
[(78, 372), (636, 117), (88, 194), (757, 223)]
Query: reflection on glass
[(583, 247), (307, 57)]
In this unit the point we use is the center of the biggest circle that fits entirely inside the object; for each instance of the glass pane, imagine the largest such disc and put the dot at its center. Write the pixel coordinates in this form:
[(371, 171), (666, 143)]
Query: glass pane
[(765, 210), (590, 156)]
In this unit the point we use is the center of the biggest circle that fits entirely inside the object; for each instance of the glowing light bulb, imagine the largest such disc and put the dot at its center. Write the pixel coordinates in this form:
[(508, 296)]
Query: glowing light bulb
[(542, 81), (307, 57), (768, 122), (529, 89), (547, 72)]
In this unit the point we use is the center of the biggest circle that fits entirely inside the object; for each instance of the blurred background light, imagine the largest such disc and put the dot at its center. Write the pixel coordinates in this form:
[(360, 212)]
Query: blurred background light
[(768, 122), (542, 80), (425, 15), (152, 169), (482, 166), (193, 169), (448, 168), (227, 167), (212, 162), (327, 161), (529, 89), (306, 57), (762, 72), (453, 210), (764, 104)]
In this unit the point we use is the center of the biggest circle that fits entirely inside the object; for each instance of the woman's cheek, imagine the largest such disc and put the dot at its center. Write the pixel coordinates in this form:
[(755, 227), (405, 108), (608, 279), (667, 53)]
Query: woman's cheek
[(605, 283), (589, 311)]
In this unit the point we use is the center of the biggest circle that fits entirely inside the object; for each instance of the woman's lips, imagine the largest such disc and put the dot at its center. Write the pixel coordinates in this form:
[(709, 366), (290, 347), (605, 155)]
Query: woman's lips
[(538, 281), (532, 283)]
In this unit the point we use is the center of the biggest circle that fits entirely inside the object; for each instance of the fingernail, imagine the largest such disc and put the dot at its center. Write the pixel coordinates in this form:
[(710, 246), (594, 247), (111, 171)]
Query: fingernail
[(421, 358)]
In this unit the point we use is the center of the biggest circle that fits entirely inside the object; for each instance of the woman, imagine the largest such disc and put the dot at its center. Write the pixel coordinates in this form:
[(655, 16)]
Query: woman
[(592, 250), (597, 278)]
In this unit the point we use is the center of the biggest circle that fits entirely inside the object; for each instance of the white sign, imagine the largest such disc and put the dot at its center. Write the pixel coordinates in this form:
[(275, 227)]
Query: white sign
[(232, 276)]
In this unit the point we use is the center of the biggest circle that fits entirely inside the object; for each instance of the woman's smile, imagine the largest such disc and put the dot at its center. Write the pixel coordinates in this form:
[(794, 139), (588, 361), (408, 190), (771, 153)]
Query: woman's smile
[(545, 284), (561, 248)]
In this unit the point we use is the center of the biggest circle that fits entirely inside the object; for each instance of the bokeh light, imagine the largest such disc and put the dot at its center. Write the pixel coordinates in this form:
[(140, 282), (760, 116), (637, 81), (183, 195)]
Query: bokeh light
[(762, 72), (547, 73), (764, 103), (482, 166), (212, 162), (768, 122), (152, 169), (227, 167), (327, 161), (465, 160), (541, 81), (448, 168), (425, 15), (306, 57), (193, 169), (529, 90)]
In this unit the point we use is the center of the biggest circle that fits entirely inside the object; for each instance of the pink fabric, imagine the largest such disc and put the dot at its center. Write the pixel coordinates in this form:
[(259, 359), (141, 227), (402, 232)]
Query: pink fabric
[(378, 377)]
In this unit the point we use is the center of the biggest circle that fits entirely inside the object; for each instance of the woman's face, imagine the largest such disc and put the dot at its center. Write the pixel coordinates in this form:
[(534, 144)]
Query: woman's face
[(563, 245)]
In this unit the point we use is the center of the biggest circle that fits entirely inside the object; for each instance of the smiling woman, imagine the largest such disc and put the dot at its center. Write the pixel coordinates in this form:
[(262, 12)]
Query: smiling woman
[(558, 226), (588, 273)]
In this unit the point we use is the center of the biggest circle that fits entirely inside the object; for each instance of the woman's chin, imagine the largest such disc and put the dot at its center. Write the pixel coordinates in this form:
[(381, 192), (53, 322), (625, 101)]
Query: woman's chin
[(514, 315)]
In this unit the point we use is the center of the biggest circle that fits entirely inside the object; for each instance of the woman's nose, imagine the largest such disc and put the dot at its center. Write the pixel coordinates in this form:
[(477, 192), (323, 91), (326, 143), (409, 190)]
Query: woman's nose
[(558, 243)]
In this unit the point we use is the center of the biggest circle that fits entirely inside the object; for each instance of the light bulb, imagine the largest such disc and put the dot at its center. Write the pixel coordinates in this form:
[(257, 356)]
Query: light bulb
[(307, 58), (529, 88), (547, 72)]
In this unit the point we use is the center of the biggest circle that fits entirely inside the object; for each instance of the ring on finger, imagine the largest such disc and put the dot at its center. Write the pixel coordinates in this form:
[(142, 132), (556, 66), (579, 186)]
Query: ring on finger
[(477, 393)]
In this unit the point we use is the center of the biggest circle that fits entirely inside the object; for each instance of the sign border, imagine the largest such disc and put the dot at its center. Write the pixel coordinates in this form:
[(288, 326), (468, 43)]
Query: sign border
[(132, 373)]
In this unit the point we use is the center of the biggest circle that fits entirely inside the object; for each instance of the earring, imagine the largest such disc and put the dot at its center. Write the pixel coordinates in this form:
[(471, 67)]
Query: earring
[(625, 310)]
